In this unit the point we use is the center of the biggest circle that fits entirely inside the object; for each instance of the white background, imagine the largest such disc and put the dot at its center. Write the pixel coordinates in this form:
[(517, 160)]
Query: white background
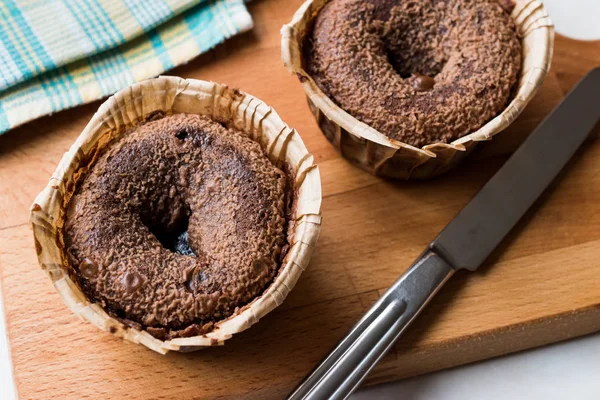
[(569, 370)]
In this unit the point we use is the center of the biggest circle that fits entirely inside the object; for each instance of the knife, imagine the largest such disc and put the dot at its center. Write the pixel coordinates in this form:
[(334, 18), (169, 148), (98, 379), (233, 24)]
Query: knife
[(464, 243)]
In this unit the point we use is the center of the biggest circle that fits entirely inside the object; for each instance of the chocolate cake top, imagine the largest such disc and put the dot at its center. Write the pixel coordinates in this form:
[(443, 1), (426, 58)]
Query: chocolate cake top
[(178, 224), (420, 72)]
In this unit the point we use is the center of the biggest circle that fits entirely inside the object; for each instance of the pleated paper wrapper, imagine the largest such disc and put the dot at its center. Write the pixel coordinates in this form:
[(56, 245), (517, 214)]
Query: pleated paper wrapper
[(375, 152), (170, 95)]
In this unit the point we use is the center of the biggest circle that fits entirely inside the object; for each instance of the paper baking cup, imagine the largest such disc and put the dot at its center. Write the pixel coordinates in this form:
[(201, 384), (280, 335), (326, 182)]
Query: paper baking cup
[(380, 155), (170, 95)]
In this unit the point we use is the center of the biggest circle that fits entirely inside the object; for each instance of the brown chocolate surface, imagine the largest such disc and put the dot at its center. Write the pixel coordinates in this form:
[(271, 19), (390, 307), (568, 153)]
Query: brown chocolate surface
[(178, 224), (420, 71)]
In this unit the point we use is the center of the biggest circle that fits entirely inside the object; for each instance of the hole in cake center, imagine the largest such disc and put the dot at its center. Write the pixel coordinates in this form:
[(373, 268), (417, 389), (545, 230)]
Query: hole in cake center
[(405, 69), (420, 76), (401, 68), (178, 243), (173, 237), (414, 59)]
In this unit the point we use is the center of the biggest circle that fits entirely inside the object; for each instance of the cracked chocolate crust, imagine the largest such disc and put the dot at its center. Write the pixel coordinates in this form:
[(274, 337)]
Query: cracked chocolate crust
[(177, 225), (420, 72)]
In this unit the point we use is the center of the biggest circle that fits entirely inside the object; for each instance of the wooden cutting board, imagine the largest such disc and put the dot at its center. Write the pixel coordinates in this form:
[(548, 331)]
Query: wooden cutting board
[(541, 286)]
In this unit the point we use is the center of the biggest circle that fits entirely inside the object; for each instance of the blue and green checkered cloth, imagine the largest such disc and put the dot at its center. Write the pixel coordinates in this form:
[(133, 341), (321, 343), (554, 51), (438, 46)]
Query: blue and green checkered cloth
[(56, 54)]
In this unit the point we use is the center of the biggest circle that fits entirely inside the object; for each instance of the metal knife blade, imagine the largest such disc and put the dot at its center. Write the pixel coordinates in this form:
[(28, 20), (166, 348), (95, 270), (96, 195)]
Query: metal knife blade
[(478, 229), (465, 243)]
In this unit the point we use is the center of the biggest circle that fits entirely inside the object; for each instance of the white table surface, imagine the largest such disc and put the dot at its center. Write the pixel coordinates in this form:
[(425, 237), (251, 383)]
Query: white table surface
[(7, 387), (563, 371), (568, 370)]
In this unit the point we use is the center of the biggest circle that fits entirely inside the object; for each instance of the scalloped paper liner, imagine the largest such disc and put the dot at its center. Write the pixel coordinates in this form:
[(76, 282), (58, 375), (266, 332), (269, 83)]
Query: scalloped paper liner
[(375, 152), (172, 95)]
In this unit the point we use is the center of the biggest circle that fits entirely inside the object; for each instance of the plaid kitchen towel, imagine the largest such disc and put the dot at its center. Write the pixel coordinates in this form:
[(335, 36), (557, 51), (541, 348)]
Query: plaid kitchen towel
[(56, 54)]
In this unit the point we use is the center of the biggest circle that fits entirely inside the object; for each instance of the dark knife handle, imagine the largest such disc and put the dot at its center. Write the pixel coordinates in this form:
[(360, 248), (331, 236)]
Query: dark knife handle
[(347, 365)]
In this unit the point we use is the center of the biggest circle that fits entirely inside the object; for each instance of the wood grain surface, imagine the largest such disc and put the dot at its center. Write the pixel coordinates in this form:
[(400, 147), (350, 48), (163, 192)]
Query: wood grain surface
[(541, 286)]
